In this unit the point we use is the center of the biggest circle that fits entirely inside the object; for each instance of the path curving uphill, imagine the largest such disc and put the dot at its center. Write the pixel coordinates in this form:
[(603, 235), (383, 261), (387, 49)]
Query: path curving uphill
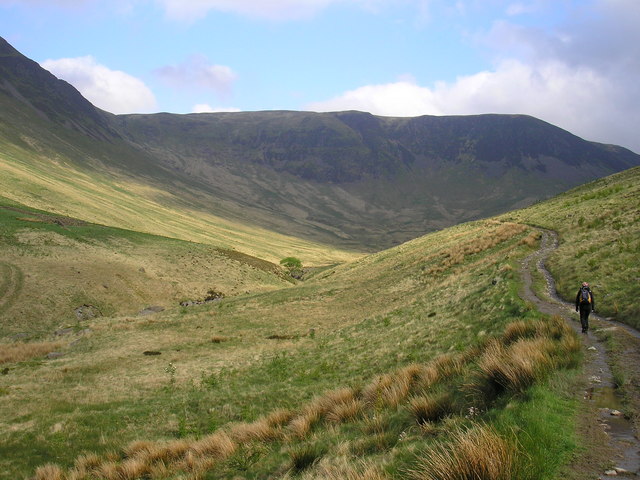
[(11, 282), (619, 430)]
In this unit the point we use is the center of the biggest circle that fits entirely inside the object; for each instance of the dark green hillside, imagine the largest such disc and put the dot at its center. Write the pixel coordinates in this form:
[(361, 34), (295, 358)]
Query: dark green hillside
[(377, 180), (38, 90), (347, 179)]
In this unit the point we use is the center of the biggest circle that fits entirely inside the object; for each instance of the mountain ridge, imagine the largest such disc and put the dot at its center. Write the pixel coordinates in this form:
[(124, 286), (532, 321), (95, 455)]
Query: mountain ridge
[(349, 179)]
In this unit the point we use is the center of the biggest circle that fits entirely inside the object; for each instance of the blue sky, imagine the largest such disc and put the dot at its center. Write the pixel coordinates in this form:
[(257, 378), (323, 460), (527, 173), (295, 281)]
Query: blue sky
[(573, 63)]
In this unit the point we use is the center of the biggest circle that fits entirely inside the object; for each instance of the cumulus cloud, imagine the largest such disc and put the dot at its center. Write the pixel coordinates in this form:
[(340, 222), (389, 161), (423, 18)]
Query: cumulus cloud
[(111, 90), (206, 108), (197, 72), (581, 76)]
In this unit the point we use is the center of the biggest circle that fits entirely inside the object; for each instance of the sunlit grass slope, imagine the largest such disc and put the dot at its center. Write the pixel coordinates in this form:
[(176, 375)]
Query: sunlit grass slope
[(599, 227), (53, 265), (353, 330), (74, 181)]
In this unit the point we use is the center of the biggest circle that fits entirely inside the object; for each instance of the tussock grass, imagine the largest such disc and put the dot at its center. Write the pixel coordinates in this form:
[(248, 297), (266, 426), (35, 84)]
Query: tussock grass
[(431, 408), (475, 453), (523, 356), (304, 457), (516, 367), (260, 430), (219, 339), (49, 472), (21, 351), (279, 417), (343, 469), (499, 233)]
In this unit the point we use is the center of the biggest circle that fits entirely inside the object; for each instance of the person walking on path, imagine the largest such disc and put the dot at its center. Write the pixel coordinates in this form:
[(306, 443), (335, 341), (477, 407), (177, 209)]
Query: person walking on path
[(585, 304)]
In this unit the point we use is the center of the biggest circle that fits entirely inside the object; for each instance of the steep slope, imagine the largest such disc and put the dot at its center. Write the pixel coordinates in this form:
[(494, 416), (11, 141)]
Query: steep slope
[(378, 180), (38, 90), (348, 179), (61, 154)]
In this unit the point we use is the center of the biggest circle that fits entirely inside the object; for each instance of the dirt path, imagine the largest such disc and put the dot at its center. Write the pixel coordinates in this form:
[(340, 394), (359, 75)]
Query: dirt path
[(11, 280), (611, 438)]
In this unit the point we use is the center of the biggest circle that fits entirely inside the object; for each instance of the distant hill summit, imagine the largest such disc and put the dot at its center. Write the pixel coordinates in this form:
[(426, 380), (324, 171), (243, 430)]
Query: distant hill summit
[(347, 147), (51, 98), (348, 179)]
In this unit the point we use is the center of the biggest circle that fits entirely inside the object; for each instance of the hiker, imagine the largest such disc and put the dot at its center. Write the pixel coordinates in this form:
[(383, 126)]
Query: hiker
[(585, 304)]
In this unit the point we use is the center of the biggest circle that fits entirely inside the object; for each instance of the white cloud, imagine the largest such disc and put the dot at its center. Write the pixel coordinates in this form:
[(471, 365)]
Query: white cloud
[(206, 108), (520, 8), (580, 75), (110, 90), (577, 99), (196, 71)]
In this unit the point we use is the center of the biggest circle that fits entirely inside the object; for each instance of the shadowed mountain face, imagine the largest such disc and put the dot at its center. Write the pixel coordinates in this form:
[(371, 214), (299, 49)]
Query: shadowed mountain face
[(350, 179)]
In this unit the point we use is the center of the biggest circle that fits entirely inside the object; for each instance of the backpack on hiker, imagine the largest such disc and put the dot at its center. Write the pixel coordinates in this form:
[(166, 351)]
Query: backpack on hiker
[(585, 296)]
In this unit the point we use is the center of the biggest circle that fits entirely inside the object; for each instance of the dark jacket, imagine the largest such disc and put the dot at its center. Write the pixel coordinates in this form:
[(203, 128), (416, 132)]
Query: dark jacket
[(579, 299)]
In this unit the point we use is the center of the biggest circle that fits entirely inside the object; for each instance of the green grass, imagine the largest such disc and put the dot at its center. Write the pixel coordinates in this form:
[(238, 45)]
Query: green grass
[(599, 231), (448, 293), (370, 317)]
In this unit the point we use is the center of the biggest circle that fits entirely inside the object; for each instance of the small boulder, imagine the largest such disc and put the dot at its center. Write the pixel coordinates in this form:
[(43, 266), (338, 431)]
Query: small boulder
[(63, 331), (87, 312), (151, 310)]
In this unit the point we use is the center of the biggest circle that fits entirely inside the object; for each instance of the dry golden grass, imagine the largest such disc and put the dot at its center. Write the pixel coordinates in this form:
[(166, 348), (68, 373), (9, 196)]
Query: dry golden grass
[(517, 366), (343, 412), (473, 454), (260, 430), (371, 392), (516, 360), (531, 240), (219, 339), (279, 417), (430, 408), (343, 469), (517, 330), (301, 424), (49, 472), (492, 237), (449, 365), (216, 445), (20, 351)]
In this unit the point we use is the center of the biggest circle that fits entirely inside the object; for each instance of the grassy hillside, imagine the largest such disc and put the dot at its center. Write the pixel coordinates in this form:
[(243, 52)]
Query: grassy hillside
[(53, 265), (378, 368), (249, 356), (69, 174), (331, 184), (599, 227)]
